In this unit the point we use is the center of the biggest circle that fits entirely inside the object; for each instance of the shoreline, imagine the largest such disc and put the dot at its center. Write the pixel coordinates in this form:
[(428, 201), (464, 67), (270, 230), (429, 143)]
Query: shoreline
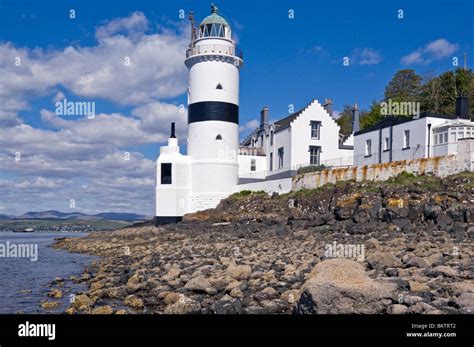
[(379, 248)]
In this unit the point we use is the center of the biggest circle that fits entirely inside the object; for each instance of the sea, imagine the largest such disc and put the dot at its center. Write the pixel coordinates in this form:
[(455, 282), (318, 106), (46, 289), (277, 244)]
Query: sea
[(28, 264)]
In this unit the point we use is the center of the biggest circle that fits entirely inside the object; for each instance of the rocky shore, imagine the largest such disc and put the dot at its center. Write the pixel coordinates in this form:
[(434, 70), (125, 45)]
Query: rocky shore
[(401, 246)]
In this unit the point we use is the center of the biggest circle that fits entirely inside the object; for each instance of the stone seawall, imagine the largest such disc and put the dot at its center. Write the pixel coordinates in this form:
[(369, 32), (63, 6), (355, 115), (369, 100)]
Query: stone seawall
[(438, 166)]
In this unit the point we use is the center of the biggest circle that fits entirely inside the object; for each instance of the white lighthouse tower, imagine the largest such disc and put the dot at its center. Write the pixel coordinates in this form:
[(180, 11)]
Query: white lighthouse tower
[(213, 113), (210, 170)]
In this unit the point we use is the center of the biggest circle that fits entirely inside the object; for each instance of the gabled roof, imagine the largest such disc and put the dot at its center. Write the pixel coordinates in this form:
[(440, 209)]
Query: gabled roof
[(285, 122)]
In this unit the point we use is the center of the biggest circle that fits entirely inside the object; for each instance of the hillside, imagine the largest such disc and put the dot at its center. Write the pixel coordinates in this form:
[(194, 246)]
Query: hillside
[(400, 246)]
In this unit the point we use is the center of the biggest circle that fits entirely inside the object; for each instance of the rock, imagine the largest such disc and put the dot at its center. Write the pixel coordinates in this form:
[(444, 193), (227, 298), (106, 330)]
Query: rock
[(226, 306), (200, 284), (172, 274), (446, 271), (290, 296), (274, 306), (398, 309), (435, 259), (239, 272), (134, 302), (466, 302), (184, 305), (102, 310), (341, 286), (382, 260), (418, 287), (371, 243), (71, 310), (50, 305), (417, 262), (236, 293), (82, 301), (171, 298), (55, 293), (266, 294)]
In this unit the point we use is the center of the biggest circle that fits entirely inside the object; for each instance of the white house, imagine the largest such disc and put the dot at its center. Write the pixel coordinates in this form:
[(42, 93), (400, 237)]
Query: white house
[(307, 137), (404, 138)]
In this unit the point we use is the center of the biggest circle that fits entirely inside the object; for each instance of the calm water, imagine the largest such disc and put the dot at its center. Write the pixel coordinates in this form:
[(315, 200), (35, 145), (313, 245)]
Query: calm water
[(19, 274)]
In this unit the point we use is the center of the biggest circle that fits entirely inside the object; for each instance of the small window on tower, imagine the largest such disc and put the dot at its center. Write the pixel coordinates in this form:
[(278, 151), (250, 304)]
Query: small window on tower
[(219, 86), (219, 137)]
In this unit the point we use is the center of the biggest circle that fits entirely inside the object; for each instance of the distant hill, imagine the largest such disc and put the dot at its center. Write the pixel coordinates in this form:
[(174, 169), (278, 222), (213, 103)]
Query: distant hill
[(51, 214)]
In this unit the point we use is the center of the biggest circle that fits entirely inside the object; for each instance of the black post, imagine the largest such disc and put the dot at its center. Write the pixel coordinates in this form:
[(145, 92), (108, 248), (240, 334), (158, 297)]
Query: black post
[(429, 139), (173, 136)]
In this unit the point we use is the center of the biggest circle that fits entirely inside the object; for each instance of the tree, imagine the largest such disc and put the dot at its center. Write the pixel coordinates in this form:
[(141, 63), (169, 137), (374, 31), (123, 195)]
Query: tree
[(345, 120), (404, 86), (371, 117)]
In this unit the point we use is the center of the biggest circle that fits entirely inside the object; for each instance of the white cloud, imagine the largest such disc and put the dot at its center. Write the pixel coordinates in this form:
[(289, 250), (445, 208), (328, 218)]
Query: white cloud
[(94, 161), (249, 126), (365, 56), (434, 50)]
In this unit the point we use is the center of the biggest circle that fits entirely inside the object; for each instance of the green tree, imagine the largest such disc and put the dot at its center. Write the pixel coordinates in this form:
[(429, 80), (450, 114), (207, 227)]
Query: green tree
[(371, 117), (404, 86), (345, 120)]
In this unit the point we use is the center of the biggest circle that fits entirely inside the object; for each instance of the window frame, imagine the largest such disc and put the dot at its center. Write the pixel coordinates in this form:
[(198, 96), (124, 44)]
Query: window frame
[(317, 129)]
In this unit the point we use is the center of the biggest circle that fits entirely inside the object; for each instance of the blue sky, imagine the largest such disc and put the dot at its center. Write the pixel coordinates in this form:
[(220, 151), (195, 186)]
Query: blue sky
[(288, 61)]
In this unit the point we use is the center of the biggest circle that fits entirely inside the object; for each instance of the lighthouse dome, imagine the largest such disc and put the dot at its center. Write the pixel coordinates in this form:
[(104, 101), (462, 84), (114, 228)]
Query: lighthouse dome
[(214, 25)]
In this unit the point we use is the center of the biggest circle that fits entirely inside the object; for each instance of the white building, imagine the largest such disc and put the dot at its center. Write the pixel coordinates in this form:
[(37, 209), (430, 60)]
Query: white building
[(307, 137), (215, 162), (405, 138), (209, 172)]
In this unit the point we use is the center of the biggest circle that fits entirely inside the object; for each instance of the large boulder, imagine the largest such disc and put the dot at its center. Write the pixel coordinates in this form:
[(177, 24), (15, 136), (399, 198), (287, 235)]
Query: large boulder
[(341, 286)]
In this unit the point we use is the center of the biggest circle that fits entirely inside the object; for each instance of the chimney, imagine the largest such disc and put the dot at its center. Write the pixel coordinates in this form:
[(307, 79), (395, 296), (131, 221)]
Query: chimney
[(328, 106), (173, 135), (462, 107), (355, 118), (264, 117)]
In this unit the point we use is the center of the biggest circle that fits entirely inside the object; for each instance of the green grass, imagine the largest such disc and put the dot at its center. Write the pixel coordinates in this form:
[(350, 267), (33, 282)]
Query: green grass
[(246, 193)]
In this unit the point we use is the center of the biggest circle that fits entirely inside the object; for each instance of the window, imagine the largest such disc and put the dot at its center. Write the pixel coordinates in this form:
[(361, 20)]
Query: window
[(368, 148), (271, 161), (445, 137), (314, 155), (315, 129), (166, 173), (386, 144), (261, 141), (280, 157), (406, 139), (219, 137), (436, 139), (271, 138), (219, 86), (253, 165)]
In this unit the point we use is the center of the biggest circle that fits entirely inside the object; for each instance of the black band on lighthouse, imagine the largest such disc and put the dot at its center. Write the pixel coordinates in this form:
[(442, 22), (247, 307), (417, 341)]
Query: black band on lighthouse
[(213, 110)]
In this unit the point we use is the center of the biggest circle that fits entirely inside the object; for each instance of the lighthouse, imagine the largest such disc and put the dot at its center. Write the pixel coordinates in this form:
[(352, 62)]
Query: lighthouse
[(209, 171), (213, 62)]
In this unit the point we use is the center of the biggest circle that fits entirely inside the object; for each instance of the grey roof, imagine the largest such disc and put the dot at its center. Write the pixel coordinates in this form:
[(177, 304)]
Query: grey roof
[(285, 122), (391, 120)]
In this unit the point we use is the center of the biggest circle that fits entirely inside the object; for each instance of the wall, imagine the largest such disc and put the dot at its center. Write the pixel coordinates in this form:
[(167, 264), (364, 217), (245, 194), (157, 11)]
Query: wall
[(439, 166), (281, 186), (418, 142), (328, 138)]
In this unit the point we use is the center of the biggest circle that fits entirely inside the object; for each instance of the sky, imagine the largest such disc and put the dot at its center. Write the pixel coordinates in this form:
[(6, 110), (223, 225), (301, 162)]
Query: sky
[(126, 57)]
